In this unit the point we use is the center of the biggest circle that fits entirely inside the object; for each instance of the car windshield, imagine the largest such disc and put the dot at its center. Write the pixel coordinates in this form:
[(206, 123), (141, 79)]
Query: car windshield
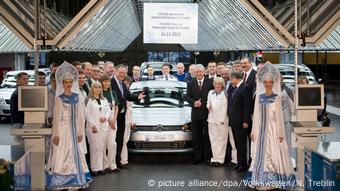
[(12, 78), (157, 69), (289, 75), (162, 98), (7, 85), (156, 73)]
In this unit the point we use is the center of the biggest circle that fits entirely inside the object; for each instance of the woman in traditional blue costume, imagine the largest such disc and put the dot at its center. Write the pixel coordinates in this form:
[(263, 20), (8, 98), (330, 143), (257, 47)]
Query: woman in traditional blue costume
[(271, 165), (67, 168)]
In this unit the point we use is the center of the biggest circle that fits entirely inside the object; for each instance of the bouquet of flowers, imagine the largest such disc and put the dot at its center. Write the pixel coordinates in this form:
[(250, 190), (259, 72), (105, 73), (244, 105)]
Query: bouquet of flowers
[(6, 180)]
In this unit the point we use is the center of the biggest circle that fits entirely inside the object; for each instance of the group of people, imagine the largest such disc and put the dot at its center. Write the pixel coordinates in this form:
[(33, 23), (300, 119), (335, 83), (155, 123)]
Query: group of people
[(238, 118), (85, 109)]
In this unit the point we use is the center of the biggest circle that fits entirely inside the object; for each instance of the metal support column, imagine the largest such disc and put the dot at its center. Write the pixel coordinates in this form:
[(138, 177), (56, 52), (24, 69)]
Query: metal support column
[(36, 33), (296, 47)]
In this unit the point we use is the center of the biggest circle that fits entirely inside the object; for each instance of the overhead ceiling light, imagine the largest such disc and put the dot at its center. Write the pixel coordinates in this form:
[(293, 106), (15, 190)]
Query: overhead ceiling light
[(216, 52), (101, 54)]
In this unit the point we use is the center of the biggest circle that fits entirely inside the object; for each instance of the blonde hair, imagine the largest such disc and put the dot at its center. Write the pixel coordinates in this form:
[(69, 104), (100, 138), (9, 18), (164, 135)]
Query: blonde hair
[(219, 80), (95, 85)]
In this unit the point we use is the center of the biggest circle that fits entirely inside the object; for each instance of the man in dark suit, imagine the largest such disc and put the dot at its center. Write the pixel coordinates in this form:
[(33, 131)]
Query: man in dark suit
[(88, 70), (249, 77), (123, 95), (150, 75), (230, 157), (239, 112), (197, 92), (136, 77)]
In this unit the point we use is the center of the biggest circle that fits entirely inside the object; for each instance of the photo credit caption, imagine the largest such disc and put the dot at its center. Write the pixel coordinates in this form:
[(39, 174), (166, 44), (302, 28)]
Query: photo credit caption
[(215, 183), (195, 183)]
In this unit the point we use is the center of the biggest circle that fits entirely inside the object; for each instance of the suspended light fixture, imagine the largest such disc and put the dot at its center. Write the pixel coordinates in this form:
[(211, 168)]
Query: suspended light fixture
[(216, 52), (196, 54), (101, 54)]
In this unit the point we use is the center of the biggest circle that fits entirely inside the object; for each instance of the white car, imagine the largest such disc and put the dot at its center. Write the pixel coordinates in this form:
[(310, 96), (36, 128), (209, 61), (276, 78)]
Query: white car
[(8, 87), (162, 118), (5, 96), (288, 73)]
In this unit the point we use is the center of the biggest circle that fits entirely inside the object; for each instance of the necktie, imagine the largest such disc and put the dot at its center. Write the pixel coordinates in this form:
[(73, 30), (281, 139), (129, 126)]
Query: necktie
[(230, 96), (121, 87), (166, 77), (245, 77), (200, 85)]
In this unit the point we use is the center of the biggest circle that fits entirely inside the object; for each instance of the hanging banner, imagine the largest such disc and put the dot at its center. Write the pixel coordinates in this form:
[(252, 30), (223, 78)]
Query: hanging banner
[(170, 23)]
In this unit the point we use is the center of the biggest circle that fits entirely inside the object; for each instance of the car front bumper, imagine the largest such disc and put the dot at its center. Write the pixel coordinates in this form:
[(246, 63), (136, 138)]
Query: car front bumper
[(160, 142)]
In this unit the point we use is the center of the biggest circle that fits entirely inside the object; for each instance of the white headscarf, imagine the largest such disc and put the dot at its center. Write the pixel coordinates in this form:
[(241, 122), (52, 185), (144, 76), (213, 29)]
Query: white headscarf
[(66, 72)]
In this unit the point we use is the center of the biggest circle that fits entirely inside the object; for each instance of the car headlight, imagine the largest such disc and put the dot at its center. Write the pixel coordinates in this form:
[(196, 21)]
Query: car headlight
[(2, 101)]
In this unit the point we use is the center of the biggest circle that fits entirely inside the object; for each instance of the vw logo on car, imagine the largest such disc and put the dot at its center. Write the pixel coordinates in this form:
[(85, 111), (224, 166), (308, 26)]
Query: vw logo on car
[(159, 127)]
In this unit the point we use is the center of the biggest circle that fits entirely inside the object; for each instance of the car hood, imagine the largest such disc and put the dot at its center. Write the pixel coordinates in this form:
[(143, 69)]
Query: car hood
[(6, 93), (163, 116)]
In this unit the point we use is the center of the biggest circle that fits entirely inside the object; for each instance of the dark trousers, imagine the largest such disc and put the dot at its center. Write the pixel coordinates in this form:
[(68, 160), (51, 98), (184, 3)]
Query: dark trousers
[(120, 135), (228, 156), (200, 140), (249, 143), (241, 139), (87, 155)]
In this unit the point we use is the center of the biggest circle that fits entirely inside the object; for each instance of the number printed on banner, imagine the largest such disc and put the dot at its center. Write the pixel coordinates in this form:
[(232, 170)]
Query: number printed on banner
[(170, 34)]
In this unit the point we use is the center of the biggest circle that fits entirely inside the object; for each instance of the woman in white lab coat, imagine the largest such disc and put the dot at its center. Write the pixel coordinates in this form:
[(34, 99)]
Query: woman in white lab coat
[(98, 130), (111, 97), (218, 122)]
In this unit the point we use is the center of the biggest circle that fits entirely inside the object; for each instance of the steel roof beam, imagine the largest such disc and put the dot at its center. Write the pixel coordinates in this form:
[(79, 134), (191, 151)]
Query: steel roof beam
[(79, 21), (279, 31), (325, 30), (16, 27)]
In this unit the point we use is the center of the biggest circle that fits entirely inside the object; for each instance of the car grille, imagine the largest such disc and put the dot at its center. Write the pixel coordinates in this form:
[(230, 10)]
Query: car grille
[(8, 101), (6, 111), (161, 145), (154, 128)]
